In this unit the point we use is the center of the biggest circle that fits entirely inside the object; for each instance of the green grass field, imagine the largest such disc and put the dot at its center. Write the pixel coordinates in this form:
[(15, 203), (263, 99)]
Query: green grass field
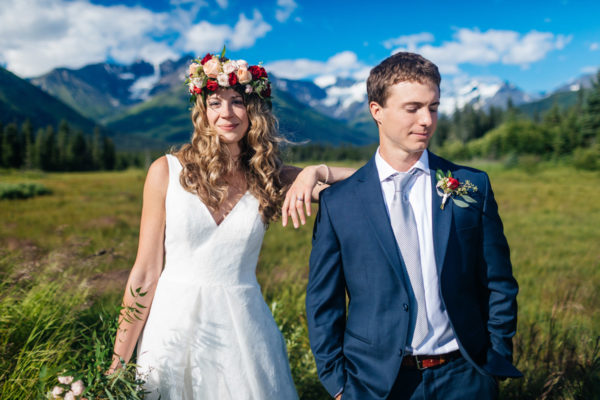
[(64, 260)]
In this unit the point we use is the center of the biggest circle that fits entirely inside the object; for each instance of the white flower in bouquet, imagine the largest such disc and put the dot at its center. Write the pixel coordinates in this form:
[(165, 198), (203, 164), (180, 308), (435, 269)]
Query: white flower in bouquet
[(77, 388), (56, 392), (65, 380)]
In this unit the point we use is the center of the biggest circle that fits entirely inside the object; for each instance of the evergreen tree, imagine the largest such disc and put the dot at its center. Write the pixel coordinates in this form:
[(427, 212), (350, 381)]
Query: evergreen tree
[(590, 122), (11, 147), (1, 145), (28, 144), (45, 149), (63, 138), (37, 145), (78, 153), (109, 156), (97, 149)]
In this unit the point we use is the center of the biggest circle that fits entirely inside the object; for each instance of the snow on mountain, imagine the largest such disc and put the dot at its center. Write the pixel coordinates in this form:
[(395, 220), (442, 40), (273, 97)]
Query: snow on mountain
[(584, 81), (481, 93)]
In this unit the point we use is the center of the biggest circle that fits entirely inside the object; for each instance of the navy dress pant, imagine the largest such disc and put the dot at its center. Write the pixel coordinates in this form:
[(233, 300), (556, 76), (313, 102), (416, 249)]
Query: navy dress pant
[(455, 380)]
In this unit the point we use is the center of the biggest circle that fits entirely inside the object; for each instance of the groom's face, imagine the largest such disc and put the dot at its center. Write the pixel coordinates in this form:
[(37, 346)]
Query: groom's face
[(409, 117)]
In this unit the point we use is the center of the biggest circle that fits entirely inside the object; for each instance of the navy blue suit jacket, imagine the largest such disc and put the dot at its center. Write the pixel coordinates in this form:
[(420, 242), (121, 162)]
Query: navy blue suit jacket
[(359, 346)]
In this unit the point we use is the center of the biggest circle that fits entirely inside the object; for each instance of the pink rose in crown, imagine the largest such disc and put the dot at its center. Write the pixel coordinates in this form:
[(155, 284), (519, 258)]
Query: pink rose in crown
[(244, 76), (193, 68), (212, 68)]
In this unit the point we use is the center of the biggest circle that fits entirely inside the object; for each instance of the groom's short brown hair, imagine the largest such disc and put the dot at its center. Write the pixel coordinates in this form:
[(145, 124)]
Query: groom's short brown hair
[(400, 67)]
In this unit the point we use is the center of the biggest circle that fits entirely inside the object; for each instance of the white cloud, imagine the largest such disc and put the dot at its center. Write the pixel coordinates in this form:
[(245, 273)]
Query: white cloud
[(223, 3), (590, 69), (203, 36), (483, 48), (344, 64), (410, 41), (39, 35), (285, 8), (594, 46)]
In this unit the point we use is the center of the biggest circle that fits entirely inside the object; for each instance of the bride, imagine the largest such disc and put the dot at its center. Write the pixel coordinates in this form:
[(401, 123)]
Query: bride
[(204, 330)]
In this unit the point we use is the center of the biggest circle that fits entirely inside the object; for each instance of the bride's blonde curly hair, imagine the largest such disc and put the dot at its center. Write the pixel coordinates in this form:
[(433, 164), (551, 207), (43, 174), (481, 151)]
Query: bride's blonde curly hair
[(206, 161)]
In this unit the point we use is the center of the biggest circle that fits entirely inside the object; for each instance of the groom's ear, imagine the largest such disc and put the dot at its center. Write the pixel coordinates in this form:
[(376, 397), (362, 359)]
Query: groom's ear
[(375, 109)]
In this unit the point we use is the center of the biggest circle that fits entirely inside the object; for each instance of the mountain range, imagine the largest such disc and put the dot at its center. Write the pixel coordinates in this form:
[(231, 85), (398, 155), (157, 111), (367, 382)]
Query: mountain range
[(143, 105)]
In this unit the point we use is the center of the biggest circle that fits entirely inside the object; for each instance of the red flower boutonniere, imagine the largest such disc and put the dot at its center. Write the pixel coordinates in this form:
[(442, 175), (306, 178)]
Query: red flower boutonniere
[(448, 186)]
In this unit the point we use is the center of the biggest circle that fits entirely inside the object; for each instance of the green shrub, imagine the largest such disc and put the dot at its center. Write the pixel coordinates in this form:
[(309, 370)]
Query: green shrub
[(22, 190), (588, 159)]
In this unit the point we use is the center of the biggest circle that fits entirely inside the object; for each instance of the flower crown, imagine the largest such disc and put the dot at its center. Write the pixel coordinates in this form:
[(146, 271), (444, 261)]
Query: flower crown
[(212, 72)]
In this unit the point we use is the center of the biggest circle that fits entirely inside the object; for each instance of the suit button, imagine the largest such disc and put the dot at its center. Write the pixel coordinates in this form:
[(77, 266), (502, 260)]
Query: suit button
[(405, 307)]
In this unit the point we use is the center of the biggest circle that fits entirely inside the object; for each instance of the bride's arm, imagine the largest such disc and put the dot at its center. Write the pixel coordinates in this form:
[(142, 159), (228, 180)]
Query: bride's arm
[(148, 263), (306, 184)]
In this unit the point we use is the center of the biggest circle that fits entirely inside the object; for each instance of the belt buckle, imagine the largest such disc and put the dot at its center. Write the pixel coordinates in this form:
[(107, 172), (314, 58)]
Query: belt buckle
[(419, 363)]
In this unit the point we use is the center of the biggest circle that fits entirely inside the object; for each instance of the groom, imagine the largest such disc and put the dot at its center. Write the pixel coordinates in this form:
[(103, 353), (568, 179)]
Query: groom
[(431, 297)]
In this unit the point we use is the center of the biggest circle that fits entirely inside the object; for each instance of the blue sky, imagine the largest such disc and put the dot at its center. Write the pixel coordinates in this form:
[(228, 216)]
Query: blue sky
[(537, 45)]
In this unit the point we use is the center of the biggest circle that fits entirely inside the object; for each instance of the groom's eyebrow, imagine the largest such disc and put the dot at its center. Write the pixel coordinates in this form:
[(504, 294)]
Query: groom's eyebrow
[(419, 104)]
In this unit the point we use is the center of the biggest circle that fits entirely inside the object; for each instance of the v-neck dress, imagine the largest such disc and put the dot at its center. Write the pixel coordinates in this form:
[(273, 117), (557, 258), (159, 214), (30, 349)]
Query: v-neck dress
[(209, 333)]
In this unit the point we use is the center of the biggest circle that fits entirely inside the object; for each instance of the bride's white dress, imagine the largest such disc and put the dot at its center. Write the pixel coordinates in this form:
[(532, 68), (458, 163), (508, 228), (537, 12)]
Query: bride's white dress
[(209, 334)]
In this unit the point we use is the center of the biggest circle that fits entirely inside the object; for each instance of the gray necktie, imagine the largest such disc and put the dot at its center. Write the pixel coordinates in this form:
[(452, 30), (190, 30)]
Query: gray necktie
[(405, 229)]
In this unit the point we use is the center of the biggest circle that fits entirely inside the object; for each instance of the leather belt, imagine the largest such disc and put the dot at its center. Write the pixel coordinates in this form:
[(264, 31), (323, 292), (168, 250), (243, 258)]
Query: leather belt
[(422, 362)]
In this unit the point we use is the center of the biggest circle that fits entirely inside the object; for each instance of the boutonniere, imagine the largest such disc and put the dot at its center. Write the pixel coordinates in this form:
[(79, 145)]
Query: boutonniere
[(448, 186)]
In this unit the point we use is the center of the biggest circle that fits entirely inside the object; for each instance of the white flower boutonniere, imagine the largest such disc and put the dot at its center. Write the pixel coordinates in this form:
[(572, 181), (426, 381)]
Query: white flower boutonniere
[(447, 186)]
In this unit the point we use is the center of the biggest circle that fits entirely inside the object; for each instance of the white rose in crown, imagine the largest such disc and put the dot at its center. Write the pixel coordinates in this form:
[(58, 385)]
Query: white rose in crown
[(242, 64), (197, 82), (223, 80), (230, 66)]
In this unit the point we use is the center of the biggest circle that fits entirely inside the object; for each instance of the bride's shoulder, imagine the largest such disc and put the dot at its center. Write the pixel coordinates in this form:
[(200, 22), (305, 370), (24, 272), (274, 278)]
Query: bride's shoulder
[(157, 178)]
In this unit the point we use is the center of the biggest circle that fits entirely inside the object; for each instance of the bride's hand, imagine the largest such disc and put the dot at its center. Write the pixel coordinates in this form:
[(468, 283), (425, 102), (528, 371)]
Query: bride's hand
[(299, 196)]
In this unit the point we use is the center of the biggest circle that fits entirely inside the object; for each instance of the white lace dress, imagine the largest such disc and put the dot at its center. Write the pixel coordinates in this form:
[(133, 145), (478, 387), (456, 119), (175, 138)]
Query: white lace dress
[(209, 334)]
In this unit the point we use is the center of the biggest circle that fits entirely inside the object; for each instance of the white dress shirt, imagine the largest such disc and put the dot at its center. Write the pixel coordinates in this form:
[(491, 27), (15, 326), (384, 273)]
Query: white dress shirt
[(440, 338)]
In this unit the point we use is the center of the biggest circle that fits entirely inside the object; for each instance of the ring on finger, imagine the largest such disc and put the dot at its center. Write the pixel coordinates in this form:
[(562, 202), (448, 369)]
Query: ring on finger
[(299, 199)]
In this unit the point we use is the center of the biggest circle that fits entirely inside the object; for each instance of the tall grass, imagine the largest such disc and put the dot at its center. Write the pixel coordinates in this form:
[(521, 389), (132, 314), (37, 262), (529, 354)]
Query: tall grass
[(64, 260)]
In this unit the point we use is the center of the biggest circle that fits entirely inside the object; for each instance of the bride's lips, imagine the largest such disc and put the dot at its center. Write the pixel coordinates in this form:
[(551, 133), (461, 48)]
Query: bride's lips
[(228, 127)]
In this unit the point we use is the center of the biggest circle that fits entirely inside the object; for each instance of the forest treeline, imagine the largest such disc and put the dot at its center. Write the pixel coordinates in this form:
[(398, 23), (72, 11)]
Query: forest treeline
[(62, 149)]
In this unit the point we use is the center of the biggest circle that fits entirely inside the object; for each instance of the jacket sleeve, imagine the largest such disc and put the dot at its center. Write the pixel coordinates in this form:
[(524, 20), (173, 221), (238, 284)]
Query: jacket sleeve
[(326, 302), (502, 286)]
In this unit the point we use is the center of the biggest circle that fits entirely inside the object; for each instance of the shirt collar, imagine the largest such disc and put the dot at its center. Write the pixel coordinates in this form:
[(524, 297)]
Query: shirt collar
[(386, 171)]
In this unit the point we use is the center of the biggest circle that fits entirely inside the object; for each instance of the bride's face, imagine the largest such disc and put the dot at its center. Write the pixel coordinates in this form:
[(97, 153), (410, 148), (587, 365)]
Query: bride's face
[(226, 113)]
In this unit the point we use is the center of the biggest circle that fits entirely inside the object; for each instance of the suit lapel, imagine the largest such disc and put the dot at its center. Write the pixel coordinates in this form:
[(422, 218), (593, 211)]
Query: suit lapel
[(369, 192), (441, 219)]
